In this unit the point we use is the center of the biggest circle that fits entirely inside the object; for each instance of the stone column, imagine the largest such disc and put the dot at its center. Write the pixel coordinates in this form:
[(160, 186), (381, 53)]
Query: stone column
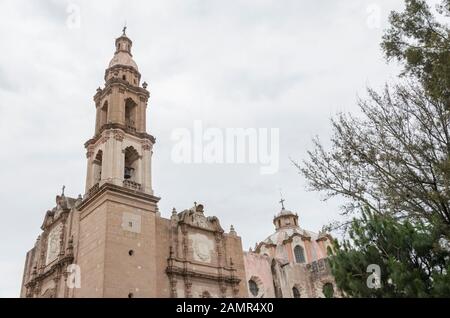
[(118, 158), (291, 257), (89, 155), (307, 244), (139, 173), (146, 179), (97, 119), (187, 287), (108, 155)]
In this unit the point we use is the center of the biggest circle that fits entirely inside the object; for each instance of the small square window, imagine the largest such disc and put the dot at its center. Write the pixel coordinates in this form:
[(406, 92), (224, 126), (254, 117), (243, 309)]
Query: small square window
[(131, 222)]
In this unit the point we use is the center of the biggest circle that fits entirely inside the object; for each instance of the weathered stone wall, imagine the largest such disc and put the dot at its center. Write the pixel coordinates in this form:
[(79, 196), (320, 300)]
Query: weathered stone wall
[(257, 267), (162, 253), (91, 250)]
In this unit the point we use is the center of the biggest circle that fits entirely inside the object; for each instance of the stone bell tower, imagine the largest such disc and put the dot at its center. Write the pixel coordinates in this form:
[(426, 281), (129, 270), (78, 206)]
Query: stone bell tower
[(111, 241), (116, 251), (120, 152)]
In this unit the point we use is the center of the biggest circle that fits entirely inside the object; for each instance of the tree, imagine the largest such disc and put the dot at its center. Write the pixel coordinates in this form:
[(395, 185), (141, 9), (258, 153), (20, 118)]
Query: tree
[(395, 158), (391, 164), (412, 259), (421, 43)]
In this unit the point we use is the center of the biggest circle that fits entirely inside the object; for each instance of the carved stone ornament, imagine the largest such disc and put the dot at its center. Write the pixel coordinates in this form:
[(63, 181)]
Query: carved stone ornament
[(118, 135), (202, 251), (90, 151), (146, 145), (54, 244), (104, 139), (203, 247), (200, 220)]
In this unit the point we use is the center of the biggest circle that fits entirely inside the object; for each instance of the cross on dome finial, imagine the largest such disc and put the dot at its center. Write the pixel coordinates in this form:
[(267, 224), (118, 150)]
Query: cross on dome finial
[(124, 30), (282, 200)]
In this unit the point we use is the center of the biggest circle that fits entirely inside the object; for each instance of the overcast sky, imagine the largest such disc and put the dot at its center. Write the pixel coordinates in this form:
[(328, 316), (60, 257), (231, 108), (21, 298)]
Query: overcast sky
[(247, 64)]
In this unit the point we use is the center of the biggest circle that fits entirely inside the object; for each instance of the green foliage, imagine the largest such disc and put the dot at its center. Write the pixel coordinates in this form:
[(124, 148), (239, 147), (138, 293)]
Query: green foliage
[(392, 166), (328, 290), (413, 258), (395, 158), (418, 40)]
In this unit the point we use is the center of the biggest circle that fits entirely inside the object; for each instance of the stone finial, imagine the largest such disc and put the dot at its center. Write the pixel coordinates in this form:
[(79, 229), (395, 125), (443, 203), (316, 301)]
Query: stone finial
[(232, 230), (174, 216), (199, 207), (144, 85)]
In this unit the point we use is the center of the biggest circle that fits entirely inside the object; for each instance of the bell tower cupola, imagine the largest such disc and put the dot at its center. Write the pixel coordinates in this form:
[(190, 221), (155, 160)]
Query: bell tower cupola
[(122, 65), (285, 218), (123, 43)]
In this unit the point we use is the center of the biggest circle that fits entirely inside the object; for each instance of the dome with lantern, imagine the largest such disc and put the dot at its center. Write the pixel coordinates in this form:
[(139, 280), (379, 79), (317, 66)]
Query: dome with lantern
[(123, 55)]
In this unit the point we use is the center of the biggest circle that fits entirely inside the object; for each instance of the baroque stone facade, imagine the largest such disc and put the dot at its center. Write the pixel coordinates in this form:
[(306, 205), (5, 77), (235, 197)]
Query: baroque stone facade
[(112, 241)]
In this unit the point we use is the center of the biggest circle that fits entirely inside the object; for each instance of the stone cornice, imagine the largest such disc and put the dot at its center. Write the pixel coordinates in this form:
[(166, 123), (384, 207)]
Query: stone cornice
[(112, 126), (258, 247), (122, 84), (62, 216), (67, 259), (190, 217), (121, 190), (325, 237), (285, 241), (174, 270), (121, 67), (303, 237)]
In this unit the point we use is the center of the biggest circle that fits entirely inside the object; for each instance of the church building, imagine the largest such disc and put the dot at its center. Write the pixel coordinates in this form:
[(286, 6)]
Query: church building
[(113, 242)]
